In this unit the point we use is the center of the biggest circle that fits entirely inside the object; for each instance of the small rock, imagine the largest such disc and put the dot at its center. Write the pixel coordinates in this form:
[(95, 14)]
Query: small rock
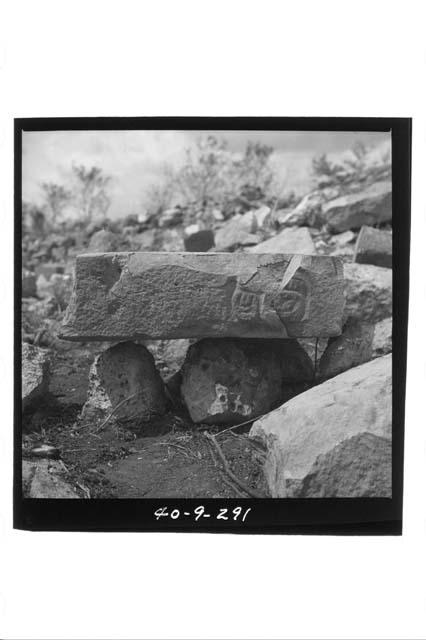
[(262, 214), (382, 342), (201, 240), (227, 381), (35, 374), (343, 239), (103, 242), (374, 246), (125, 371), (291, 240), (371, 206), (368, 292), (29, 286), (47, 482), (45, 451), (171, 217), (333, 440), (352, 348)]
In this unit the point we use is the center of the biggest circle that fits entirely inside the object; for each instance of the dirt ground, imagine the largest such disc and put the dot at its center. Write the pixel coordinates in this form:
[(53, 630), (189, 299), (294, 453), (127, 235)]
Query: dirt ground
[(169, 457)]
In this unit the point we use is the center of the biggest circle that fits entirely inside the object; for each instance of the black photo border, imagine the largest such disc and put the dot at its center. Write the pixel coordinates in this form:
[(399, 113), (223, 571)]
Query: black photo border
[(332, 516)]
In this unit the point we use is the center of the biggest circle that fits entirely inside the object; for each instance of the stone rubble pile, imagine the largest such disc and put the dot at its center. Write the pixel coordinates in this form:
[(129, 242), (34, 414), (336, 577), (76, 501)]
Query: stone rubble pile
[(258, 309)]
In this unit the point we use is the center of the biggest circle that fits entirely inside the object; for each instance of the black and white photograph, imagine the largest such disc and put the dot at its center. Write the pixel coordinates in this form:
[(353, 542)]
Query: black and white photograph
[(212, 353), (206, 314)]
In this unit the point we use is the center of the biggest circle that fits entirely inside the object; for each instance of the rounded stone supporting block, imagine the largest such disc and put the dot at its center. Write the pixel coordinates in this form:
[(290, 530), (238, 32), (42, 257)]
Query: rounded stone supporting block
[(229, 380), (197, 295), (126, 374)]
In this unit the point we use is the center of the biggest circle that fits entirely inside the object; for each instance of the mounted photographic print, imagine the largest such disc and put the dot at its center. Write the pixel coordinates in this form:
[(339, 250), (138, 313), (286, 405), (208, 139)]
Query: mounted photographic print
[(207, 310)]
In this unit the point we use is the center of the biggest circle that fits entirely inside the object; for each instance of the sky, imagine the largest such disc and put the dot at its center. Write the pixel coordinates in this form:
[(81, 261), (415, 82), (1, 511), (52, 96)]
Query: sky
[(135, 159)]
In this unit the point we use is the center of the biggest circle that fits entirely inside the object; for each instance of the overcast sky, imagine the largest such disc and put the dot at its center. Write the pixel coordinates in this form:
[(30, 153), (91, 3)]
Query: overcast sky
[(134, 158)]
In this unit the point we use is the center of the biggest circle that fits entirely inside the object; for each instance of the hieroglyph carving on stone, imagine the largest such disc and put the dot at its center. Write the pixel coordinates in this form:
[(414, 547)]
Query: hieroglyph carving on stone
[(289, 302)]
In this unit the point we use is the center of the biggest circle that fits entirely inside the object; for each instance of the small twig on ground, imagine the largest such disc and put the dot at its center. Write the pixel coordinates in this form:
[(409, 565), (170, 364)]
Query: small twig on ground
[(120, 404), (84, 489), (232, 485), (251, 492), (185, 450), (240, 424)]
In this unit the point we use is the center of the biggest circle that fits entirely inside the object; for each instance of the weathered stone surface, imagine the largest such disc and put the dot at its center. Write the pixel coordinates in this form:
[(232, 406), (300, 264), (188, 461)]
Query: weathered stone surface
[(370, 206), (169, 355), (382, 342), (29, 287), (291, 240), (313, 438), (368, 292), (227, 381), (369, 459), (239, 231), (125, 371), (35, 373), (44, 480), (352, 348), (200, 240), (374, 246), (103, 241), (187, 295)]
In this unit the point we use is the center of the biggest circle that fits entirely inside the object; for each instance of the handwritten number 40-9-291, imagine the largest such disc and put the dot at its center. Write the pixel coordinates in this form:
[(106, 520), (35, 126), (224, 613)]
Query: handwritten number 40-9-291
[(223, 514)]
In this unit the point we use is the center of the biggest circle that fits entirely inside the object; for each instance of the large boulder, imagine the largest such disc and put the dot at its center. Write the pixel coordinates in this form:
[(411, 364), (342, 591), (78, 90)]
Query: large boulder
[(352, 348), (227, 381), (374, 246), (35, 374), (333, 440), (291, 240), (191, 295), (368, 292), (352, 211), (124, 378)]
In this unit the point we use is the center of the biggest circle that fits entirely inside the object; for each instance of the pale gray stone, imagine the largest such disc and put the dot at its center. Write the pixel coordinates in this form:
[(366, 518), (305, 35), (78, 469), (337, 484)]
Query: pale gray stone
[(35, 373), (44, 480), (352, 211), (368, 292), (291, 240), (316, 441)]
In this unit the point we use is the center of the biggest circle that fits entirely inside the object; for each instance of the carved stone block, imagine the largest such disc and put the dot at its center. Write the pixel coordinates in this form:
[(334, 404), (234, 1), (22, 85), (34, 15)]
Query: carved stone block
[(194, 295)]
